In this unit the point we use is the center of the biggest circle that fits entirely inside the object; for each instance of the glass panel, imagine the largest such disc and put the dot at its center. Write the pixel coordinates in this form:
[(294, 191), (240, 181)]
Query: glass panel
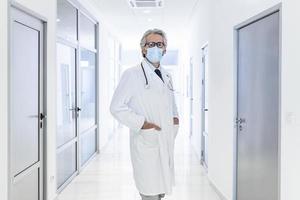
[(27, 188), (87, 90), (88, 146), (24, 96), (65, 94), (87, 32), (66, 20), (66, 164)]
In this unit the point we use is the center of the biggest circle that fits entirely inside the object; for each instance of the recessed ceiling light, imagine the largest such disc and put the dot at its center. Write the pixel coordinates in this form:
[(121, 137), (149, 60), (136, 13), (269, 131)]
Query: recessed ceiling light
[(58, 20), (149, 20), (146, 11)]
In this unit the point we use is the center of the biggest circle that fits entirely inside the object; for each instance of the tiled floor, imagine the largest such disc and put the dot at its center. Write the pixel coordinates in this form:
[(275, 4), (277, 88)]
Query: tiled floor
[(109, 175)]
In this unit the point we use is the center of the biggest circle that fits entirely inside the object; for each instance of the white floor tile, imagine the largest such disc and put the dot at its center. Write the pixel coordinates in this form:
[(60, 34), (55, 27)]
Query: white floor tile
[(109, 175)]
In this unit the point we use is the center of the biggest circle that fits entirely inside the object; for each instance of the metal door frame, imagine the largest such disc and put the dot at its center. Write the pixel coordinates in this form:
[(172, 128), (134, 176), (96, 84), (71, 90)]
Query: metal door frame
[(203, 95), (266, 13), (191, 96), (42, 94)]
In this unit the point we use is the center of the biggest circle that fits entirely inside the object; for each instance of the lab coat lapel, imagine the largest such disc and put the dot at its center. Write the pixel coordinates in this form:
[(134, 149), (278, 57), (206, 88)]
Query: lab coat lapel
[(166, 77), (152, 75)]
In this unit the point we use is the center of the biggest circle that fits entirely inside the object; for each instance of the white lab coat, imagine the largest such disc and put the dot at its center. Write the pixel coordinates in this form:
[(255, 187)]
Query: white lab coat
[(152, 151)]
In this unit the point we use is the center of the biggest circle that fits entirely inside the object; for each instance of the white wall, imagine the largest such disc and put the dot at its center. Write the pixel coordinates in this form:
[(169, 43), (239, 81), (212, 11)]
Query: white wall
[(106, 121), (224, 15), (198, 36), (290, 131), (3, 100)]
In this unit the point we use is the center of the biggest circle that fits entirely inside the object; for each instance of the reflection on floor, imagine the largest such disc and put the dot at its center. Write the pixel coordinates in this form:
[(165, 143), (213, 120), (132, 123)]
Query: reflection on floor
[(109, 175)]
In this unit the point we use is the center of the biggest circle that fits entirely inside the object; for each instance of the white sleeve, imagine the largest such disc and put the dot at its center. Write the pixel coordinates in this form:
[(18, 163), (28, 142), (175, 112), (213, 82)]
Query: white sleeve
[(175, 110), (174, 106), (119, 105)]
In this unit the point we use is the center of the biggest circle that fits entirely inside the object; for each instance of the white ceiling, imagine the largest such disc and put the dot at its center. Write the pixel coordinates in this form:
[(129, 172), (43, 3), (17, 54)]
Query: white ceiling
[(129, 24)]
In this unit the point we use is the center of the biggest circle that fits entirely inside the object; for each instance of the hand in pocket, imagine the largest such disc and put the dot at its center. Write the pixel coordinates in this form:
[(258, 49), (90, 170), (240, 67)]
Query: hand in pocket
[(148, 125)]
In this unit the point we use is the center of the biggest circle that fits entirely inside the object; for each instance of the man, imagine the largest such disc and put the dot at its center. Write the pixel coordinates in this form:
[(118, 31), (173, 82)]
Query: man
[(144, 102)]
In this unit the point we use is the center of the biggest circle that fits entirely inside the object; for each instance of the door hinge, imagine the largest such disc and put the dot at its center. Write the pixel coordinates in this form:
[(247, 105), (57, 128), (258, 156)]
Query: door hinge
[(203, 59)]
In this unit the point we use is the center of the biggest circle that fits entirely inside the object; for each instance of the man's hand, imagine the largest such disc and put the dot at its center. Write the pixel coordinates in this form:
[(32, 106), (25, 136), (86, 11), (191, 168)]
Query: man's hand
[(148, 125), (175, 121)]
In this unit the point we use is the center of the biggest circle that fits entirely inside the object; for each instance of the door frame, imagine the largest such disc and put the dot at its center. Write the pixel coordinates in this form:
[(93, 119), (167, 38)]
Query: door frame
[(191, 95), (42, 94), (203, 95), (266, 13)]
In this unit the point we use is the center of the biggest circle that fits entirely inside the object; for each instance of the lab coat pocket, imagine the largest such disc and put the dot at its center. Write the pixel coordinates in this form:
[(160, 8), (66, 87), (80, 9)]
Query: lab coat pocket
[(176, 127), (149, 137)]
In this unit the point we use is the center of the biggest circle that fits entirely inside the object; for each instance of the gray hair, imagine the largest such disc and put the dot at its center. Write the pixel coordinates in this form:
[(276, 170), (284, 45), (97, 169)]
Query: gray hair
[(153, 31)]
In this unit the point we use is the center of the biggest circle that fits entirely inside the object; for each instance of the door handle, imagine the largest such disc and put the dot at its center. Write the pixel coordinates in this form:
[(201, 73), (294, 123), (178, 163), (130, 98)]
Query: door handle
[(239, 122), (205, 109), (42, 116), (33, 116), (75, 109)]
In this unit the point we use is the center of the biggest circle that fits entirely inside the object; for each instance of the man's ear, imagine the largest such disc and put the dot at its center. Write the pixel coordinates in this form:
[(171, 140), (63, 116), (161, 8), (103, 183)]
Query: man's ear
[(144, 52)]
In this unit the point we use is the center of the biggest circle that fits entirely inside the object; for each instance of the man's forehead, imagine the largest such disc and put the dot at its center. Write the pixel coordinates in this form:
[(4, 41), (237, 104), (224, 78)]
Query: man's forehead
[(155, 37)]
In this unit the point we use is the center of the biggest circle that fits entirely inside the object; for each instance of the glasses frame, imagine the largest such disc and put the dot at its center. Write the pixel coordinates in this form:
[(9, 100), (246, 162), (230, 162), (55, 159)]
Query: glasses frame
[(153, 44)]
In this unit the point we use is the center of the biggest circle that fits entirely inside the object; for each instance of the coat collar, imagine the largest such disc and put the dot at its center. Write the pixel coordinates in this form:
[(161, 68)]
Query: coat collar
[(151, 75), (149, 69), (150, 65)]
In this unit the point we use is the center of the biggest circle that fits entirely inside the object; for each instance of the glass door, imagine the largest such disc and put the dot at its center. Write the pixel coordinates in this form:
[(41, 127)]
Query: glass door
[(77, 132), (66, 138), (87, 102), (87, 89)]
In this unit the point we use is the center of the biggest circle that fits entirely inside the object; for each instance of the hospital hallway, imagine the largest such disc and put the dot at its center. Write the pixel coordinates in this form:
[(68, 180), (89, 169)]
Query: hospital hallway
[(107, 99), (109, 175)]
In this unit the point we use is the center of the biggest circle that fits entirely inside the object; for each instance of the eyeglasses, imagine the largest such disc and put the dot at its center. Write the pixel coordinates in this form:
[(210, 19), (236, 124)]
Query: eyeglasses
[(153, 44)]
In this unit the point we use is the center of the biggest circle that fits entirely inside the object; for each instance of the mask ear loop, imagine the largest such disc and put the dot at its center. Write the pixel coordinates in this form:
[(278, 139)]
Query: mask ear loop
[(146, 79)]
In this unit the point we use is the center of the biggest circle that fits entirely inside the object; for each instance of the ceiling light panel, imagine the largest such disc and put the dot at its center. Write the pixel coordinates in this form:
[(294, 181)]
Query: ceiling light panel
[(145, 3)]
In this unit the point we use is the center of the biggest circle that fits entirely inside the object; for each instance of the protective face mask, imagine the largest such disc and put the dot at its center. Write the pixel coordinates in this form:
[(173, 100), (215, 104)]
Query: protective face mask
[(154, 54)]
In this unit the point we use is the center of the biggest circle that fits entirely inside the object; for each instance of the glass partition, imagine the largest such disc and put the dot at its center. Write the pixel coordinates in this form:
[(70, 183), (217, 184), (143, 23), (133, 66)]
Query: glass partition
[(87, 32), (66, 20), (66, 126), (76, 90)]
